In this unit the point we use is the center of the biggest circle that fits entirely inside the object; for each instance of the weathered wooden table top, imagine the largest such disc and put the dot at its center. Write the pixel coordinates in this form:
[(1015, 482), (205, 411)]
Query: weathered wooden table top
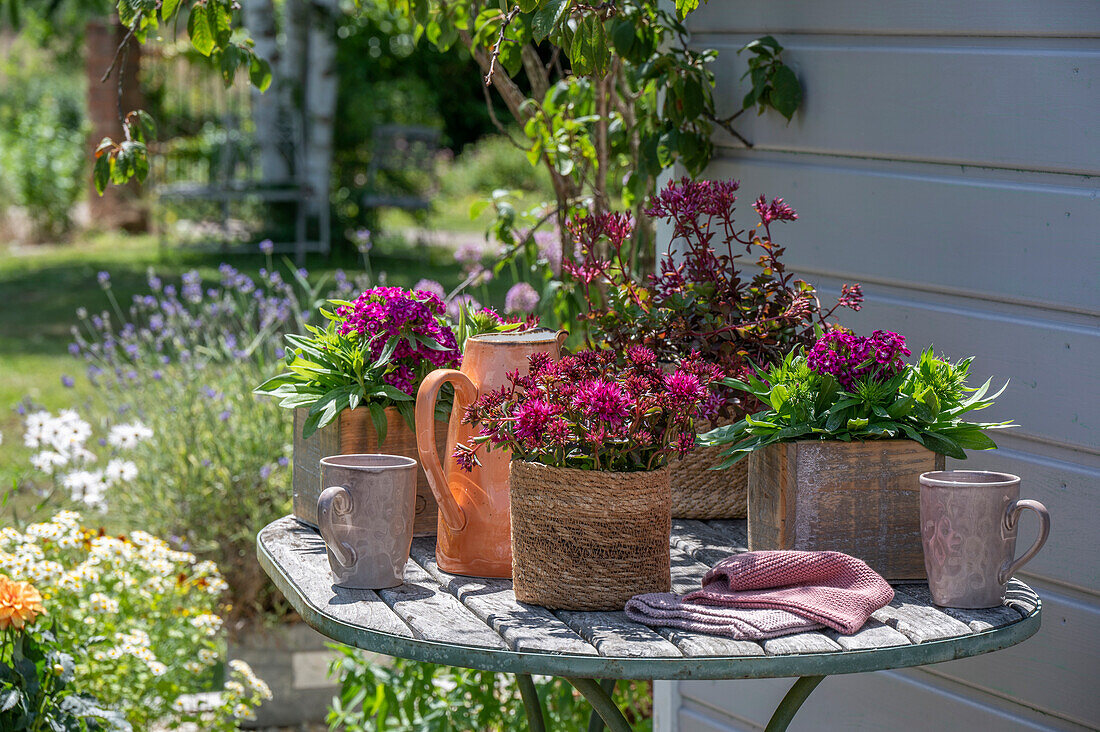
[(477, 623)]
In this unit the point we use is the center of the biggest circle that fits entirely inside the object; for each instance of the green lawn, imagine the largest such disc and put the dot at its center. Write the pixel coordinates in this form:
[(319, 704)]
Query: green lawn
[(41, 287)]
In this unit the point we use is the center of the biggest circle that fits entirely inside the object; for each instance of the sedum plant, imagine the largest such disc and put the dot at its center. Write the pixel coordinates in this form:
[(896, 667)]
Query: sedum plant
[(848, 387), (374, 352)]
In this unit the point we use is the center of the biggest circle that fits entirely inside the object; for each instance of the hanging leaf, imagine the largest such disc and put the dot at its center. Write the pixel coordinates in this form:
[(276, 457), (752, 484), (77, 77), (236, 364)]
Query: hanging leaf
[(786, 93), (200, 30)]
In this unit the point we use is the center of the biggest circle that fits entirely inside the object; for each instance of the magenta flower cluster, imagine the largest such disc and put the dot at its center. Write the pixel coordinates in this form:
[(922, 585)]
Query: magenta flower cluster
[(588, 411), (415, 319), (851, 358)]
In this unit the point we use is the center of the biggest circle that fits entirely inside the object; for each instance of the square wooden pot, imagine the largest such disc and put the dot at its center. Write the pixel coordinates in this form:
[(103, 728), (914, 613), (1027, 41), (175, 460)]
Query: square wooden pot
[(860, 498), (353, 433)]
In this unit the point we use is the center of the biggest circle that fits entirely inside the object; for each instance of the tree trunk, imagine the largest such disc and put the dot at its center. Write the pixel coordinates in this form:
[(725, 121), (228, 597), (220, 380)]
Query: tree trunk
[(267, 110), (320, 101), (119, 207)]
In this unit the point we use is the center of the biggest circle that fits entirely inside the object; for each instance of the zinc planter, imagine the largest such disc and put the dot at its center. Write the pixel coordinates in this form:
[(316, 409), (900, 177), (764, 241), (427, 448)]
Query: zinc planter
[(588, 539), (860, 498), (353, 433)]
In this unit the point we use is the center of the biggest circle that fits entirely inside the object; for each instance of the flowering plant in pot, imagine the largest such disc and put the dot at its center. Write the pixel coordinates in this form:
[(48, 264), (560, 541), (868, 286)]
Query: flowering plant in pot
[(702, 298), (590, 498), (358, 376), (846, 429)]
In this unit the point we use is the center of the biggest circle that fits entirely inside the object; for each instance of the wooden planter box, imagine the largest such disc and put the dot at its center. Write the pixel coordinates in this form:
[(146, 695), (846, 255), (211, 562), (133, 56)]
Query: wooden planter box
[(352, 433), (860, 498)]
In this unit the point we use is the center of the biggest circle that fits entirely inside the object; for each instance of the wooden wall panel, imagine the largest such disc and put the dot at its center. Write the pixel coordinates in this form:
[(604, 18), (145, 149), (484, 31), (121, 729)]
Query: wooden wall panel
[(979, 102), (1049, 18), (941, 230)]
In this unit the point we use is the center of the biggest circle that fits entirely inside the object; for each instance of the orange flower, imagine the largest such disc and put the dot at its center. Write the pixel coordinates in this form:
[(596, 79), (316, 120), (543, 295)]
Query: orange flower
[(20, 603)]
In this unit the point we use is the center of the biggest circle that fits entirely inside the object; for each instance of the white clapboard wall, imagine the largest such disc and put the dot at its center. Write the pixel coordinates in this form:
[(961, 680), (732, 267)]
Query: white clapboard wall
[(947, 157)]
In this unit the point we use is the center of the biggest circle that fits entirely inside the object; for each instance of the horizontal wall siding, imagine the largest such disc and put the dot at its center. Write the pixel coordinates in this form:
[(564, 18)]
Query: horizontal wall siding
[(1024, 105), (946, 157), (1049, 18)]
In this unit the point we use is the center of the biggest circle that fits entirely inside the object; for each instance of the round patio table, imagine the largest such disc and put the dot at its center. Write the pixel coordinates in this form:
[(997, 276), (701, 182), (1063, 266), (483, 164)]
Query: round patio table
[(477, 623)]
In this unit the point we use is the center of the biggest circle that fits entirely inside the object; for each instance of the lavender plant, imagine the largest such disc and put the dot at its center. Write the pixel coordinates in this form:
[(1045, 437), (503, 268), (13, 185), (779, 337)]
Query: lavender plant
[(182, 359)]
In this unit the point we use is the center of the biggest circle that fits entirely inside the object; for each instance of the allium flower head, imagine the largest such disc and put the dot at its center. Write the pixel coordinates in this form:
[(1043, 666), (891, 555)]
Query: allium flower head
[(521, 298)]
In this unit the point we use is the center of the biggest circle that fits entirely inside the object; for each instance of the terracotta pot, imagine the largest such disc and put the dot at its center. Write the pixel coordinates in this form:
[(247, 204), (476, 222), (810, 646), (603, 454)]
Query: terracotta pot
[(473, 506), (353, 433), (860, 498), (589, 539)]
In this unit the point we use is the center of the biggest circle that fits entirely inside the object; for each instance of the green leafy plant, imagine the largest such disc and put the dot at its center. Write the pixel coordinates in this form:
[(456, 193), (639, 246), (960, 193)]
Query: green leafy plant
[(408, 696), (36, 687), (374, 351), (850, 388), (135, 623)]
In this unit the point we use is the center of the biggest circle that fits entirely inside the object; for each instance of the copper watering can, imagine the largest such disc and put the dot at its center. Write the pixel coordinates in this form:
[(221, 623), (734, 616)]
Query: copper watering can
[(474, 530)]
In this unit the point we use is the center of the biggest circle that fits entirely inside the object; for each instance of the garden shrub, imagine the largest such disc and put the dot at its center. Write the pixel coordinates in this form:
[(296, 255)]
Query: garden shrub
[(136, 619), (409, 696), (42, 139), (491, 163)]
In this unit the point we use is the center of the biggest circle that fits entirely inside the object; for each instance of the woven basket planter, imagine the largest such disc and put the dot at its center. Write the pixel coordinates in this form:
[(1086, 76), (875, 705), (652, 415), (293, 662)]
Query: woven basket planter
[(353, 433), (701, 493), (588, 539)]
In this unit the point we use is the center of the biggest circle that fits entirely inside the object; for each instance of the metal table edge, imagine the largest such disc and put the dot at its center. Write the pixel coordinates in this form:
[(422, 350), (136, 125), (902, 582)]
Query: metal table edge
[(648, 668)]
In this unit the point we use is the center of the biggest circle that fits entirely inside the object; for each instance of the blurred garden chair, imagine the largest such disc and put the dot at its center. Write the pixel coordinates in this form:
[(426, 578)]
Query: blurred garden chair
[(400, 155)]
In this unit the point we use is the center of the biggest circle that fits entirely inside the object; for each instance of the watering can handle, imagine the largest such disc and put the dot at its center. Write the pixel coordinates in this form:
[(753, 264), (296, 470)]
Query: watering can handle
[(465, 393)]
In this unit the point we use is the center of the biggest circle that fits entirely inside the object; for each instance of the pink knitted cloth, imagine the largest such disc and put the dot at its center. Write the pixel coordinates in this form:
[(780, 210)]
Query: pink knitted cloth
[(761, 595)]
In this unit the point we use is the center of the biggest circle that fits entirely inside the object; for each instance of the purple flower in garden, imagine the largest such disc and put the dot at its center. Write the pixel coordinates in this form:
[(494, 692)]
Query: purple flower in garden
[(362, 239), (74, 349), (469, 254), (225, 415), (549, 247), (431, 286), (684, 388), (850, 358), (521, 298), (603, 400), (774, 211), (267, 246), (460, 302), (382, 313), (283, 462), (157, 375), (265, 472), (533, 418), (67, 381), (154, 282), (104, 278)]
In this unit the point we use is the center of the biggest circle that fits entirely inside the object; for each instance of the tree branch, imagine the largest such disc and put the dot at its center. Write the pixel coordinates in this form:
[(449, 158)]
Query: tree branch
[(495, 54)]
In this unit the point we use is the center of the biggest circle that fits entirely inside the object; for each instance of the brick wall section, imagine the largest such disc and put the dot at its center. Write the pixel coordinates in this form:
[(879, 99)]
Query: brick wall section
[(117, 207)]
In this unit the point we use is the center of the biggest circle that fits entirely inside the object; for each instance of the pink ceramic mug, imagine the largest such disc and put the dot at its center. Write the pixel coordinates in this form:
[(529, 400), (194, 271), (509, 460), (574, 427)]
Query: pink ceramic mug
[(968, 528)]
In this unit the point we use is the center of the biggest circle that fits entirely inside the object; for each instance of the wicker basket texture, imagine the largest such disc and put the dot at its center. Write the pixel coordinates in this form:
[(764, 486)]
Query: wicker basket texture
[(588, 539)]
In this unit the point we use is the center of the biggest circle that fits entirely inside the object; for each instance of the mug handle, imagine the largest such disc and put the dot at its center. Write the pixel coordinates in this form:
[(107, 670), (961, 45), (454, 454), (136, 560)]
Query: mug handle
[(465, 393), (1012, 517), (335, 501)]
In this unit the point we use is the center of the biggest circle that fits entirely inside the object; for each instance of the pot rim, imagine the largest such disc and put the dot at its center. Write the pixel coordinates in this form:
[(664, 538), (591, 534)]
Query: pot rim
[(369, 462), (968, 479), (523, 338)]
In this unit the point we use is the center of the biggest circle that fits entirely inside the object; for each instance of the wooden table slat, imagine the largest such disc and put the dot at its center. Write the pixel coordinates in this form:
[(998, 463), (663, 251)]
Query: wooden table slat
[(523, 627), (811, 641), (613, 635), (435, 614), (918, 621), (873, 634), (709, 543), (301, 552), (975, 619)]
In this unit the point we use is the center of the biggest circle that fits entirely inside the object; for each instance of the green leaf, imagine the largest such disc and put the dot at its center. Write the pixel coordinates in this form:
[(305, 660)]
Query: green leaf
[(168, 9), (378, 416), (786, 93), (547, 18), (102, 171), (259, 72), (528, 6), (200, 30), (683, 7)]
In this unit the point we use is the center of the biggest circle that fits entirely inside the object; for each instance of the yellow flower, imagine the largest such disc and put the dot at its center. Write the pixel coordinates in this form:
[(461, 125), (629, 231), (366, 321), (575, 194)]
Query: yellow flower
[(20, 603)]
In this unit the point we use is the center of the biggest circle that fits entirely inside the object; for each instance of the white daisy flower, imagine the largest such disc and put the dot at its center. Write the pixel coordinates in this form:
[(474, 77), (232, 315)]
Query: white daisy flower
[(120, 471)]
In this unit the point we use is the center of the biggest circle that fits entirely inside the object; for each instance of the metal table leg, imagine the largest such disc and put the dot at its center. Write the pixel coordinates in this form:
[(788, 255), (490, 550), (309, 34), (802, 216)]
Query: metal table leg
[(791, 703), (532, 705), (602, 704), (595, 721)]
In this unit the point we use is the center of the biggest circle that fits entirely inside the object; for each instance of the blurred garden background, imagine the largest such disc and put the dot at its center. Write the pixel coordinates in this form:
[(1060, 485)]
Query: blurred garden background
[(181, 184)]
